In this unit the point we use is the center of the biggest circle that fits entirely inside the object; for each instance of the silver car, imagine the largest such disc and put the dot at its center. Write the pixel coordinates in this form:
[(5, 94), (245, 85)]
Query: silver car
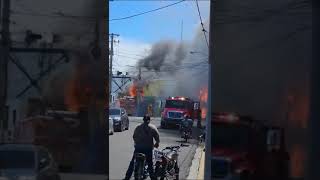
[(120, 119), (27, 162), (111, 130)]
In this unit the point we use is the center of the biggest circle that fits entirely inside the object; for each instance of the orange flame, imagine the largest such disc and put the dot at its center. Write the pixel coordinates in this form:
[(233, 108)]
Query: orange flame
[(203, 96), (70, 98), (133, 90), (77, 91)]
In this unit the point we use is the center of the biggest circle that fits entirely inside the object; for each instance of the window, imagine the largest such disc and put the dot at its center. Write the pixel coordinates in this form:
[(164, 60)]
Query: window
[(230, 136), (13, 159), (176, 104)]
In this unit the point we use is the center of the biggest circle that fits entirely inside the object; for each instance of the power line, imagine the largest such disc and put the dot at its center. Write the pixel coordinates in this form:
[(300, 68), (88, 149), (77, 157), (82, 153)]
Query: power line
[(120, 52), (53, 15), (139, 14), (203, 29), (134, 58)]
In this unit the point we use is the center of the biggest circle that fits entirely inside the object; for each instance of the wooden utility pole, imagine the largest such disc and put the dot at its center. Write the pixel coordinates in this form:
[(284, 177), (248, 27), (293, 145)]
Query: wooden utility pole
[(4, 57), (112, 35)]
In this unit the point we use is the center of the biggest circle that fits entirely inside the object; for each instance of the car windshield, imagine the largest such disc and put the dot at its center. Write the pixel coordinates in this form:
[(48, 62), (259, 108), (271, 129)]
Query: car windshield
[(230, 136), (114, 111), (17, 159), (176, 104)]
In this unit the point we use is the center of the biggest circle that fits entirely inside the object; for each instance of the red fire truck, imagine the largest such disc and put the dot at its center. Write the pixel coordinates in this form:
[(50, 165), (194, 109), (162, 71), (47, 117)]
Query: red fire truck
[(129, 104), (176, 107), (243, 148)]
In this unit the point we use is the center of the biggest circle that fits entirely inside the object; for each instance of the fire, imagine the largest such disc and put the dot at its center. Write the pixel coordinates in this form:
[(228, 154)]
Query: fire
[(77, 90), (133, 90), (203, 96), (70, 98)]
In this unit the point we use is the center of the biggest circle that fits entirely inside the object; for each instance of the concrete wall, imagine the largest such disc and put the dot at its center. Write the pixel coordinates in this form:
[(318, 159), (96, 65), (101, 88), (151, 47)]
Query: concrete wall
[(262, 65)]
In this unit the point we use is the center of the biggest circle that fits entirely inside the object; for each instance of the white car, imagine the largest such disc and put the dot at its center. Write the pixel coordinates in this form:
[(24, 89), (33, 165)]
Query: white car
[(27, 162), (110, 126)]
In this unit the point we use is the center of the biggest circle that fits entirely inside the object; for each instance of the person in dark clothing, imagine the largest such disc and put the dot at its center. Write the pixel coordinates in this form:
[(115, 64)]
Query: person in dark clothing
[(144, 136)]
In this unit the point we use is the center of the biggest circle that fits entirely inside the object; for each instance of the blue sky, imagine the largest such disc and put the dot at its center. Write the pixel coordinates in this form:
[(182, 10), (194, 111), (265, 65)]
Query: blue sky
[(162, 24), (137, 34)]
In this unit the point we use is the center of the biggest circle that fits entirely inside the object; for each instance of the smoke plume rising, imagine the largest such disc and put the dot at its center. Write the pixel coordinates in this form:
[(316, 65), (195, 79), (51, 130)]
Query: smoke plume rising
[(183, 73)]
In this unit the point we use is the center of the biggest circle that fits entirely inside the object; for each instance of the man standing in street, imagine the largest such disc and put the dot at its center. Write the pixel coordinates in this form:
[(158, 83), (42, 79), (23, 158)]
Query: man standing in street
[(143, 137)]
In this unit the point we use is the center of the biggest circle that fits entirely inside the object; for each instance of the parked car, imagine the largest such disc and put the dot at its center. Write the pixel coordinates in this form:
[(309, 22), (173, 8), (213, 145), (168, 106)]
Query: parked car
[(120, 119), (27, 162), (111, 130)]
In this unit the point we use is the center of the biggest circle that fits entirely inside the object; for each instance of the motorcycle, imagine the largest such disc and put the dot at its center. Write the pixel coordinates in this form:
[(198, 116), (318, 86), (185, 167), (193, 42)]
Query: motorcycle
[(165, 166), (186, 129)]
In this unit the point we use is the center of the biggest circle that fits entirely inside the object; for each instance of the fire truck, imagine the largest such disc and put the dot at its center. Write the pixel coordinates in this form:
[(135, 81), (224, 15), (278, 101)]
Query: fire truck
[(176, 107), (129, 104), (244, 148)]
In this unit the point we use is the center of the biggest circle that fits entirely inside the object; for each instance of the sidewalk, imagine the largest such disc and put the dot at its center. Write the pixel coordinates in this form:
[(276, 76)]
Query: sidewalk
[(197, 167)]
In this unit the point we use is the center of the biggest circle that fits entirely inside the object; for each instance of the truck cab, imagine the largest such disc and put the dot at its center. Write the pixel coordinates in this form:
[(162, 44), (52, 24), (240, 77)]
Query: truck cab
[(243, 148), (175, 109)]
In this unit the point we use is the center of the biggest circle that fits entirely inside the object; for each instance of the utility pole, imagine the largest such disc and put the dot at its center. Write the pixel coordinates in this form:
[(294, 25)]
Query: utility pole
[(138, 92), (4, 57), (112, 35)]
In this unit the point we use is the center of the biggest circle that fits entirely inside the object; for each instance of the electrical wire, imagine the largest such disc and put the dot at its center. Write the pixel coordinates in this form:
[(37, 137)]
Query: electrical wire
[(121, 52), (139, 14), (203, 29), (53, 15)]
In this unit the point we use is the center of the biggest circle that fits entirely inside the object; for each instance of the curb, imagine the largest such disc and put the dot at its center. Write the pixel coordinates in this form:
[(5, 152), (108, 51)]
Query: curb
[(197, 166), (201, 166)]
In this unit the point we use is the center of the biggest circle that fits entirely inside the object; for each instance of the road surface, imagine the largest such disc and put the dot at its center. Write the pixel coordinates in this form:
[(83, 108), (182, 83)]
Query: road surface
[(121, 148)]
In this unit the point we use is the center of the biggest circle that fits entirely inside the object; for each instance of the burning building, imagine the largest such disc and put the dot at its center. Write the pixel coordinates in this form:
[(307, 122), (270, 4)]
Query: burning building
[(57, 64), (180, 73), (62, 68)]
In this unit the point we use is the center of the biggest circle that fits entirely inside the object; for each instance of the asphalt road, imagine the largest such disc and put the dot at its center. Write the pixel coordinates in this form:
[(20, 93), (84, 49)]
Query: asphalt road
[(121, 148)]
